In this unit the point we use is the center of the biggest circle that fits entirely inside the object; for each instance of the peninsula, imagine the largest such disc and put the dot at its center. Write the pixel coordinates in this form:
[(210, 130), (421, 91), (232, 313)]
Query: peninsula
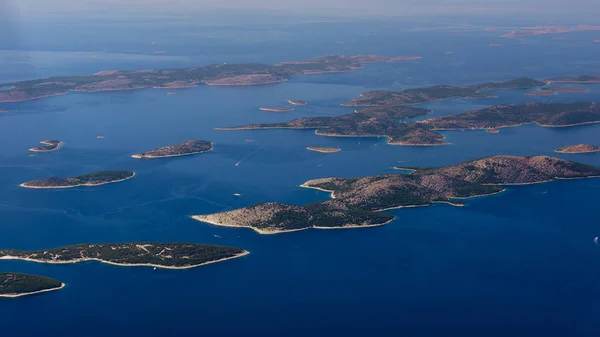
[(360, 202), (277, 109), (48, 145), (295, 102), (223, 74), (17, 284), (579, 148), (323, 149), (384, 121), (182, 149), (149, 254), (90, 179)]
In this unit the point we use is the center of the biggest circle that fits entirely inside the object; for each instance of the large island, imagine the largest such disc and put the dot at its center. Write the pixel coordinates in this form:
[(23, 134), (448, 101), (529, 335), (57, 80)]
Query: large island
[(90, 179), (359, 202), (17, 284), (149, 254), (384, 121), (182, 149), (223, 74)]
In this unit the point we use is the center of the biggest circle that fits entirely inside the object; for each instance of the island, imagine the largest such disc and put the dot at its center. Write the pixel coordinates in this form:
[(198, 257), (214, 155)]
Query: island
[(90, 179), (323, 149), (277, 109), (540, 93), (295, 102), (439, 92), (492, 130), (182, 149), (362, 202), (544, 30), (562, 89), (594, 78), (385, 121), (48, 145), (223, 74), (133, 254), (17, 284), (579, 148)]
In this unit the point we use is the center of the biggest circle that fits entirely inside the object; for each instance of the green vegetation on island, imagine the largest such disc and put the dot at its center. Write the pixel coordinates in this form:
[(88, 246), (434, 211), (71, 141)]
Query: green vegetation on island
[(594, 78), (154, 254), (579, 148), (223, 74), (438, 92), (48, 145), (183, 149), (90, 179), (384, 121), (358, 202), (17, 284)]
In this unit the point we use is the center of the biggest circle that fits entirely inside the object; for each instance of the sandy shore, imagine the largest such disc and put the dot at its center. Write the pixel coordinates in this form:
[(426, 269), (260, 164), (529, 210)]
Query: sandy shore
[(62, 285), (244, 253), (202, 218), (87, 185)]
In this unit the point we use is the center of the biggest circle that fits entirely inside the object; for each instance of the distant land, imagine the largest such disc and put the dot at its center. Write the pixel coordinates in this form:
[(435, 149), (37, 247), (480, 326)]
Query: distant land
[(223, 74), (384, 121), (17, 284), (359, 202), (543, 30), (594, 78), (90, 179), (323, 149), (579, 148), (182, 149), (134, 254), (277, 109), (296, 102), (49, 145)]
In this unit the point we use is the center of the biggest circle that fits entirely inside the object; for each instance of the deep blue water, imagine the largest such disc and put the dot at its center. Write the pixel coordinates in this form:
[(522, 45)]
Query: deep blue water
[(522, 263)]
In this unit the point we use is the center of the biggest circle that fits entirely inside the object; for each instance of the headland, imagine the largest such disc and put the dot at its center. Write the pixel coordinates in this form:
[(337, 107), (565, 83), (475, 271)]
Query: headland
[(90, 179)]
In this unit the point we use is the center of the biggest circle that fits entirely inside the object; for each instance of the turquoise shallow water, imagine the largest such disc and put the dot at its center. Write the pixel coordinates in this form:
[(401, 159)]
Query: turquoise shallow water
[(520, 263)]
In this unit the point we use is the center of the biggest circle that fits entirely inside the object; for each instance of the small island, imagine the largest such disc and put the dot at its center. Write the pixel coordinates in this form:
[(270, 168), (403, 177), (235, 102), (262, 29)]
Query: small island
[(17, 284), (3, 111), (540, 93), (277, 109), (562, 89), (492, 130), (48, 145), (323, 149), (183, 149), (90, 179), (579, 148), (134, 254), (362, 202), (295, 102)]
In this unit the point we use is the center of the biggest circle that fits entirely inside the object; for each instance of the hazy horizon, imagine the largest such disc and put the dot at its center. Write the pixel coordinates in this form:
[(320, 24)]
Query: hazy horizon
[(374, 8)]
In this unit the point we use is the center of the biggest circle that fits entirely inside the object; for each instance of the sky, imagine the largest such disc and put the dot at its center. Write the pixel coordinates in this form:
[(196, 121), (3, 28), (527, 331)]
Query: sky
[(317, 7)]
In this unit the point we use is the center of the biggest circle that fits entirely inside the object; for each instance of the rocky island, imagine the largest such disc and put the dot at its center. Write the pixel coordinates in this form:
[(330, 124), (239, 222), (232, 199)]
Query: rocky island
[(360, 202), (150, 254), (594, 78), (277, 109), (90, 179), (295, 102), (17, 284), (48, 145), (323, 149), (579, 148), (223, 74), (182, 149)]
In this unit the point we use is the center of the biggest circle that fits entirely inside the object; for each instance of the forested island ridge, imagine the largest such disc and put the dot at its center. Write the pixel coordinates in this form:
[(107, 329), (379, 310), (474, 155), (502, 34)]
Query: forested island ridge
[(133, 254), (90, 179), (19, 284), (223, 74), (186, 148), (360, 202)]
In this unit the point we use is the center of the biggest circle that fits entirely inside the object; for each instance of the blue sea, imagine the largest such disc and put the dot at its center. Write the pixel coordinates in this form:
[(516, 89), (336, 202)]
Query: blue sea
[(522, 263)]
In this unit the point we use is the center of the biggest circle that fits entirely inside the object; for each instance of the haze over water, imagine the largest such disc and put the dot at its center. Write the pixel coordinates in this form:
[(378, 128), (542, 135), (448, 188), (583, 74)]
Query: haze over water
[(522, 263)]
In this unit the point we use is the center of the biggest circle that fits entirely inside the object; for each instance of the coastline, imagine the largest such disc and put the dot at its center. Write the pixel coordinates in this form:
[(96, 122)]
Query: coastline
[(323, 150), (140, 156), (244, 253), (62, 285), (73, 186), (258, 230), (332, 193), (33, 149), (577, 152)]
